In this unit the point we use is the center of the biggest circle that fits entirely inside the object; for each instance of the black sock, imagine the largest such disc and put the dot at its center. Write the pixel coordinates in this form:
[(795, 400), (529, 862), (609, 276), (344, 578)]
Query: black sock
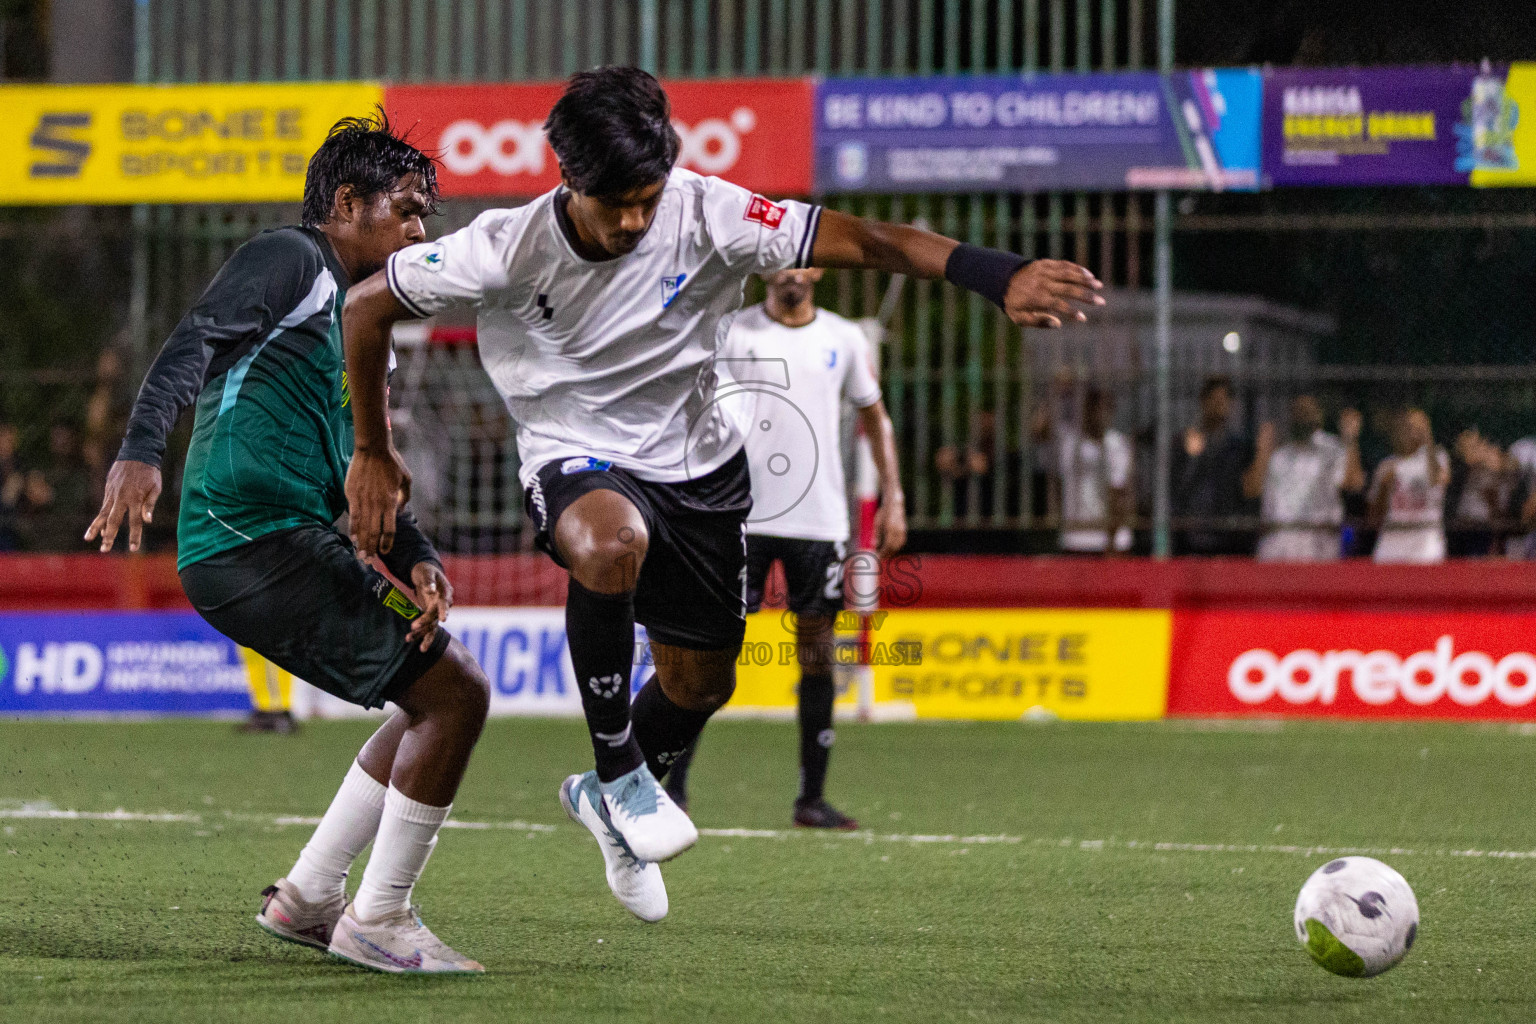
[(677, 774), (664, 730), (816, 696), (600, 629)]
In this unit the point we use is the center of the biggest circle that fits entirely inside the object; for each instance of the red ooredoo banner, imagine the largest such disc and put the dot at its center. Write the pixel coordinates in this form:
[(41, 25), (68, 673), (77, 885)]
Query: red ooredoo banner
[(754, 132), (1354, 665)]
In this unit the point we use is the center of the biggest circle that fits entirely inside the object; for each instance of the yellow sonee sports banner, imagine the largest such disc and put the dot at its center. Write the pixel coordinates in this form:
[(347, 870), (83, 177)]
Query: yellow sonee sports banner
[(1088, 665), (168, 143), (978, 664), (768, 668)]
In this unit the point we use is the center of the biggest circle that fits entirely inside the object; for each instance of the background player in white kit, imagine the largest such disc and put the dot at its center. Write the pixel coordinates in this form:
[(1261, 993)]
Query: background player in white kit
[(797, 364), (602, 305)]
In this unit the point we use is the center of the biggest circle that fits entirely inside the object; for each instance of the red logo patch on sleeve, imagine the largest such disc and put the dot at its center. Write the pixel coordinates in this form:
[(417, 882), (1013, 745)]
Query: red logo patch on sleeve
[(765, 213)]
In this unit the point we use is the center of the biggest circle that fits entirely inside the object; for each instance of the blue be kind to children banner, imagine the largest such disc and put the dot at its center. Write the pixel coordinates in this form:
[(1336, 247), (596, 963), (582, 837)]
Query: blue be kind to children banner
[(105, 663), (1131, 130)]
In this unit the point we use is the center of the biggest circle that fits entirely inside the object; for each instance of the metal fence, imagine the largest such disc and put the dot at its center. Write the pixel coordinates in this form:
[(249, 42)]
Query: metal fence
[(501, 40)]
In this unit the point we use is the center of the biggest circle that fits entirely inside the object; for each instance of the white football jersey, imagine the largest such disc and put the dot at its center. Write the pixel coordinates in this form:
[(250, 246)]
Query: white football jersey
[(614, 359), (789, 384), (1090, 469), (1414, 528)]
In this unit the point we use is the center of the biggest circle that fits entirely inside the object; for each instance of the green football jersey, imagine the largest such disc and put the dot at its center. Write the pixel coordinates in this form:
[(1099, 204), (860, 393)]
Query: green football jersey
[(262, 354)]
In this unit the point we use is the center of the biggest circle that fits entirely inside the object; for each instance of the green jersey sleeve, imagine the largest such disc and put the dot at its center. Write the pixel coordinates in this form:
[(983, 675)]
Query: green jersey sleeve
[(264, 279)]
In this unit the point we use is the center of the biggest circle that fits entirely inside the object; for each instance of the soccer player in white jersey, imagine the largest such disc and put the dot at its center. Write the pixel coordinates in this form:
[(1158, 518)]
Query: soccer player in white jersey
[(601, 307), (795, 365)]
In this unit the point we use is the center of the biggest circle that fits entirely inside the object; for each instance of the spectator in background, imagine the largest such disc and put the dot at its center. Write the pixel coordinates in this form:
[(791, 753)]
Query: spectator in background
[(12, 482), (1522, 457), (1408, 494), (1483, 481), (975, 466), (1208, 467), (56, 505), (1303, 482), (1093, 480)]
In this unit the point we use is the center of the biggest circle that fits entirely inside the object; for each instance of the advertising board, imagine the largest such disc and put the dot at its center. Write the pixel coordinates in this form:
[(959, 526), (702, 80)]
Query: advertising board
[(1195, 130), (754, 132), (1448, 125), (977, 664), (1354, 664), (104, 663), (168, 143)]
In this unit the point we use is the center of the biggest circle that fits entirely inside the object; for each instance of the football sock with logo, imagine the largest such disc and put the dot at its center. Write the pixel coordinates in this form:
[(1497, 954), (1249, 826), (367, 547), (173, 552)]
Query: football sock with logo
[(407, 837), (348, 827), (601, 631), (816, 696), (677, 775), (664, 730)]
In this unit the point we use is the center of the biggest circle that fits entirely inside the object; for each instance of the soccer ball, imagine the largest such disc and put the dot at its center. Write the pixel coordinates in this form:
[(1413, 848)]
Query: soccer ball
[(1357, 917)]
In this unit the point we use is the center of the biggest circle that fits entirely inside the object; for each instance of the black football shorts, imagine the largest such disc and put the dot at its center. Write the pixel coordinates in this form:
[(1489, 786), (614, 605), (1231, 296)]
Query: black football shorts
[(301, 599), (690, 592), (813, 572)]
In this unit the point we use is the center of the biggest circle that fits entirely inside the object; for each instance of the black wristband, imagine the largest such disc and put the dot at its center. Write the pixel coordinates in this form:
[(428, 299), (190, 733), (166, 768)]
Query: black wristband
[(983, 271)]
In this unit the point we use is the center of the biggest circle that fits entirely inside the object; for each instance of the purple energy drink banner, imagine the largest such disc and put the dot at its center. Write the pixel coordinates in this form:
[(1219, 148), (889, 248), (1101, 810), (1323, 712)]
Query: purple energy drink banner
[(1394, 126)]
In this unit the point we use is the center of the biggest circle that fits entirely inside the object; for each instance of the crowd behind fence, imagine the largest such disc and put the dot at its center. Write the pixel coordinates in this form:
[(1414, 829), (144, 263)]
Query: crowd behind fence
[(1279, 458)]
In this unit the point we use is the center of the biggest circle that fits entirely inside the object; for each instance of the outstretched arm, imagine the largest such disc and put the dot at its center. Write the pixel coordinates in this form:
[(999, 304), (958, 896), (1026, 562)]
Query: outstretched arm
[(1033, 293), (377, 482)]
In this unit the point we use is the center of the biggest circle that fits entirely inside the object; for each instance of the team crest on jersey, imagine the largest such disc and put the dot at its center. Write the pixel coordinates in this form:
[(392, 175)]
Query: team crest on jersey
[(432, 259), (670, 286), (583, 463), (763, 212)]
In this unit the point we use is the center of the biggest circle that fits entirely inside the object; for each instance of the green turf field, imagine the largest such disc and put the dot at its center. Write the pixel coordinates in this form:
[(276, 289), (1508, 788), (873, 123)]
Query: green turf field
[(1071, 912)]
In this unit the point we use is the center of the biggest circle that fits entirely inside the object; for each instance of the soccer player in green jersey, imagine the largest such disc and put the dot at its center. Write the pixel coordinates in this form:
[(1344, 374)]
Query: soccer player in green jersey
[(261, 559)]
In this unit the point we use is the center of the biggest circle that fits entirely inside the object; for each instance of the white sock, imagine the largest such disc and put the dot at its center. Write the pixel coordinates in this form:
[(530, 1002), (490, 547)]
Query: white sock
[(407, 834), (347, 828)]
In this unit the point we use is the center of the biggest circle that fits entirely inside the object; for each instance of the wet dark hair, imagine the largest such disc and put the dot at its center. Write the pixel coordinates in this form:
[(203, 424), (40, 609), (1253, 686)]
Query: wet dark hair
[(612, 132), (371, 156)]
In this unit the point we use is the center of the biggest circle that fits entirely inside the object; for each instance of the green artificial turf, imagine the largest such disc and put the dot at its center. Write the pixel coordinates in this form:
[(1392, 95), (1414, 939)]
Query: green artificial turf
[(1133, 873)]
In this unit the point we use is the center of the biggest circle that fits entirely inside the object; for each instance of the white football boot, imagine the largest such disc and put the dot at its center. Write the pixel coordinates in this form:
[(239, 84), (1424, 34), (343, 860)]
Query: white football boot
[(655, 828), (398, 944), (636, 883), (292, 918)]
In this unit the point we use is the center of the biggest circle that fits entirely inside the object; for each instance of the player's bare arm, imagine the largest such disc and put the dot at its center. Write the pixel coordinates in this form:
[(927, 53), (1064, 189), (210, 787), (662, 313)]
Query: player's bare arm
[(891, 519), (378, 483), (1033, 293)]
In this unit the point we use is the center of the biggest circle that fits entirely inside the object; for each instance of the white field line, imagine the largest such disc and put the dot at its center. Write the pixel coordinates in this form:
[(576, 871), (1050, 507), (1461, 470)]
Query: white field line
[(45, 812), (54, 814)]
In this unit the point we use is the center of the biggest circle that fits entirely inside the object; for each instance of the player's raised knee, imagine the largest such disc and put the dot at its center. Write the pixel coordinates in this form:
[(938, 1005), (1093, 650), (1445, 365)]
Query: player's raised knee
[(700, 680), (607, 560)]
